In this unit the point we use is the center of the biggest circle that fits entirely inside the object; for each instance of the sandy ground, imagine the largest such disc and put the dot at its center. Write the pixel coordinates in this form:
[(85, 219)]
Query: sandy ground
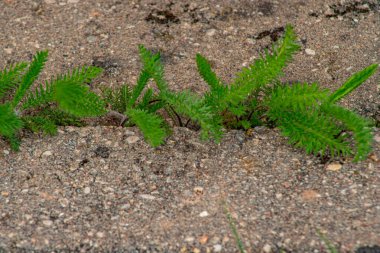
[(102, 189)]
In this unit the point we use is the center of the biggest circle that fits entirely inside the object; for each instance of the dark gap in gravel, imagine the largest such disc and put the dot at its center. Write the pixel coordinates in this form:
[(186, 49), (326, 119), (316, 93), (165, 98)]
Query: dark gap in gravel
[(341, 9), (162, 17), (274, 34), (368, 249)]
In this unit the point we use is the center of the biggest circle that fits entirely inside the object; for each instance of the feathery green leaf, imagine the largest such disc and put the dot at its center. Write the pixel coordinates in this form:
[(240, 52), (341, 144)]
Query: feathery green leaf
[(11, 77), (151, 125), (9, 122), (77, 99), (30, 76), (357, 125), (263, 70), (353, 82)]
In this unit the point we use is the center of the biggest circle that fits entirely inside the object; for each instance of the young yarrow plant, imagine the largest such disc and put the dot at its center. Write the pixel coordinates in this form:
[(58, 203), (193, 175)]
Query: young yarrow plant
[(62, 100), (308, 115), (139, 106)]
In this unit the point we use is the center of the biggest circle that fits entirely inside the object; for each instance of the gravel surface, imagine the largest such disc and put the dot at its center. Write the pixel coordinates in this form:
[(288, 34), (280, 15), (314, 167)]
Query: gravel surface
[(103, 189)]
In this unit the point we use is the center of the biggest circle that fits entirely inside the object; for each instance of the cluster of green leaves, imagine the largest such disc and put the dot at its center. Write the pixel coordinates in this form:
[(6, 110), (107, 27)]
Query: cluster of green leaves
[(308, 115), (141, 104), (62, 100)]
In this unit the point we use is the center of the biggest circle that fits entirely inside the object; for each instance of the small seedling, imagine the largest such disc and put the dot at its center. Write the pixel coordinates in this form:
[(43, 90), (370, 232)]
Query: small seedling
[(233, 228), (62, 100), (330, 247)]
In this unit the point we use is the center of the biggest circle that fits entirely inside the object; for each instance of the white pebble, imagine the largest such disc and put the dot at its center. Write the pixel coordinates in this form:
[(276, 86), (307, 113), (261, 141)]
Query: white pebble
[(87, 190), (204, 214), (147, 196), (47, 153), (133, 139), (100, 234), (267, 248), (217, 248), (309, 51), (47, 223), (211, 32)]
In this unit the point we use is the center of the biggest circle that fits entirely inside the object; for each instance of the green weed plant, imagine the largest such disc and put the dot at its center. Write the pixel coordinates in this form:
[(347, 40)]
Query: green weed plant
[(309, 116)]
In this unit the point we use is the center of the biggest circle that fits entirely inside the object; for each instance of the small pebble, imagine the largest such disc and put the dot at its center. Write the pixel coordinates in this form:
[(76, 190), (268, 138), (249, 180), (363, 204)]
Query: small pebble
[(47, 153), (203, 239), (267, 248), (47, 223), (334, 167), (377, 138), (196, 250), (91, 39), (8, 50), (217, 248), (72, 1), (204, 214), (198, 190), (100, 234), (189, 239), (87, 190), (211, 32), (132, 139), (309, 51), (147, 196)]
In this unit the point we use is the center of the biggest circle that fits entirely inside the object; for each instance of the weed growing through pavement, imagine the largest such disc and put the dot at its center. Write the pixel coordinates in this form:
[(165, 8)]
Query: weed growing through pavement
[(60, 101), (306, 114)]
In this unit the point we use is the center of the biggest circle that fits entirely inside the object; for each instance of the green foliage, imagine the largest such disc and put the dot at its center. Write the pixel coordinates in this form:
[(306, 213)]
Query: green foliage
[(150, 125), (353, 82), (306, 114), (231, 222), (9, 78), (58, 102), (140, 105), (330, 247), (142, 113)]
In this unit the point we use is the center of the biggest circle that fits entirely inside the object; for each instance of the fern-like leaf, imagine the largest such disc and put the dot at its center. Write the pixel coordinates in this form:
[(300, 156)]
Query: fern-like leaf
[(137, 90), (77, 99), (117, 98), (204, 69), (40, 124), (41, 96), (192, 106), (30, 76), (151, 125), (153, 66), (296, 97), (353, 82), (312, 131), (11, 77), (9, 122), (263, 70), (357, 125)]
